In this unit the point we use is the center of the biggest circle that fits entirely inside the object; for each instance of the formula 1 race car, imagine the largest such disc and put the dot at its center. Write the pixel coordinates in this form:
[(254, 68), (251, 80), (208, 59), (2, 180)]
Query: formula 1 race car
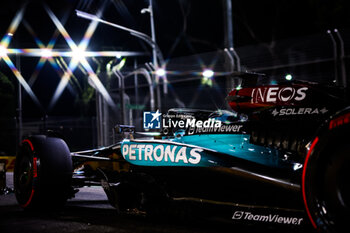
[(280, 154)]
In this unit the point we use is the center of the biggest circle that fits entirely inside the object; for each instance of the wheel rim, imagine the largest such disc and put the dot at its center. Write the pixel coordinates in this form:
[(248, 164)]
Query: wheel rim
[(343, 189), (333, 201), (24, 178)]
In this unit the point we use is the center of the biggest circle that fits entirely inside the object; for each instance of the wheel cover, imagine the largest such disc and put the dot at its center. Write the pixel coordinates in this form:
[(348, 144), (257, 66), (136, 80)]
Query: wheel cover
[(334, 198), (24, 177), (325, 187)]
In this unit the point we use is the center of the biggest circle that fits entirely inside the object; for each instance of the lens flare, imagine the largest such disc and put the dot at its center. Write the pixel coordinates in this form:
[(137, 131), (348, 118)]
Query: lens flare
[(77, 53), (46, 53), (160, 72), (13, 27), (4, 54), (21, 80), (3, 51), (208, 73), (78, 56)]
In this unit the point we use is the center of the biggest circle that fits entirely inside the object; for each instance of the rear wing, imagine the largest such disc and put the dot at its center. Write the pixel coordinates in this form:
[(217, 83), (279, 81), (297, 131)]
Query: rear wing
[(247, 79)]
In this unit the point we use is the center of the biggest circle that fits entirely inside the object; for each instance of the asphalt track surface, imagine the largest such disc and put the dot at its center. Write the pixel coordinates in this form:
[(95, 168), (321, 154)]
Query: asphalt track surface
[(90, 211)]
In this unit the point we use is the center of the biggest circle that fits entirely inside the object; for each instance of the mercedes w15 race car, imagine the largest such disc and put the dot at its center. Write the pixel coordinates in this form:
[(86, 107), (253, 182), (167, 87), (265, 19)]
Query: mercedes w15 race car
[(280, 156)]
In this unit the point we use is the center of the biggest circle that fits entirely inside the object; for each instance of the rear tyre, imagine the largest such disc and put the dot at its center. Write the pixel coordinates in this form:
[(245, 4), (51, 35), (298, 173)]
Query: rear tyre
[(325, 184), (43, 173)]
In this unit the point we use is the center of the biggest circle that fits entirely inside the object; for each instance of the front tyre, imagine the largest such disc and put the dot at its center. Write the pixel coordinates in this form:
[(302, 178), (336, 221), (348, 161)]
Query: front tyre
[(43, 173)]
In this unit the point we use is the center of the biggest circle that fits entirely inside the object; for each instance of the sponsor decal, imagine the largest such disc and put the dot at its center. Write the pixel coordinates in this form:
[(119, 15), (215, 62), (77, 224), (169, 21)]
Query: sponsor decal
[(188, 122), (269, 218), (341, 120), (155, 120), (161, 153), (298, 111), (35, 167), (277, 94), (151, 120), (221, 129)]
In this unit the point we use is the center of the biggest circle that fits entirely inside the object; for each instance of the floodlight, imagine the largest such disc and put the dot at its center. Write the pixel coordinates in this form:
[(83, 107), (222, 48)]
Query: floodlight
[(160, 72), (208, 73), (288, 77)]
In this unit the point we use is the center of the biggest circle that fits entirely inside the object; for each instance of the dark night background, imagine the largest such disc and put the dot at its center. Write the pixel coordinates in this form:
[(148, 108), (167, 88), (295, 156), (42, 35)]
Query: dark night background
[(183, 28)]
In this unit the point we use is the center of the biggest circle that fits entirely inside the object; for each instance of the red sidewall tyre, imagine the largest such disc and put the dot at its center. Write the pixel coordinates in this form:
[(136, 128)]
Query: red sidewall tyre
[(43, 173)]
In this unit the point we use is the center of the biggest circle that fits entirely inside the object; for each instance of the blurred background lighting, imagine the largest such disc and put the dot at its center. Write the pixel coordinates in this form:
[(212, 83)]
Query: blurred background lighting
[(288, 77), (3, 51), (46, 53), (160, 72), (208, 73), (78, 54)]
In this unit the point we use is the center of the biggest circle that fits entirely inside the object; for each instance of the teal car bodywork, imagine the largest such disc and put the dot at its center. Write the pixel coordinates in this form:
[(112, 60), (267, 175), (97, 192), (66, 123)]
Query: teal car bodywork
[(198, 150)]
